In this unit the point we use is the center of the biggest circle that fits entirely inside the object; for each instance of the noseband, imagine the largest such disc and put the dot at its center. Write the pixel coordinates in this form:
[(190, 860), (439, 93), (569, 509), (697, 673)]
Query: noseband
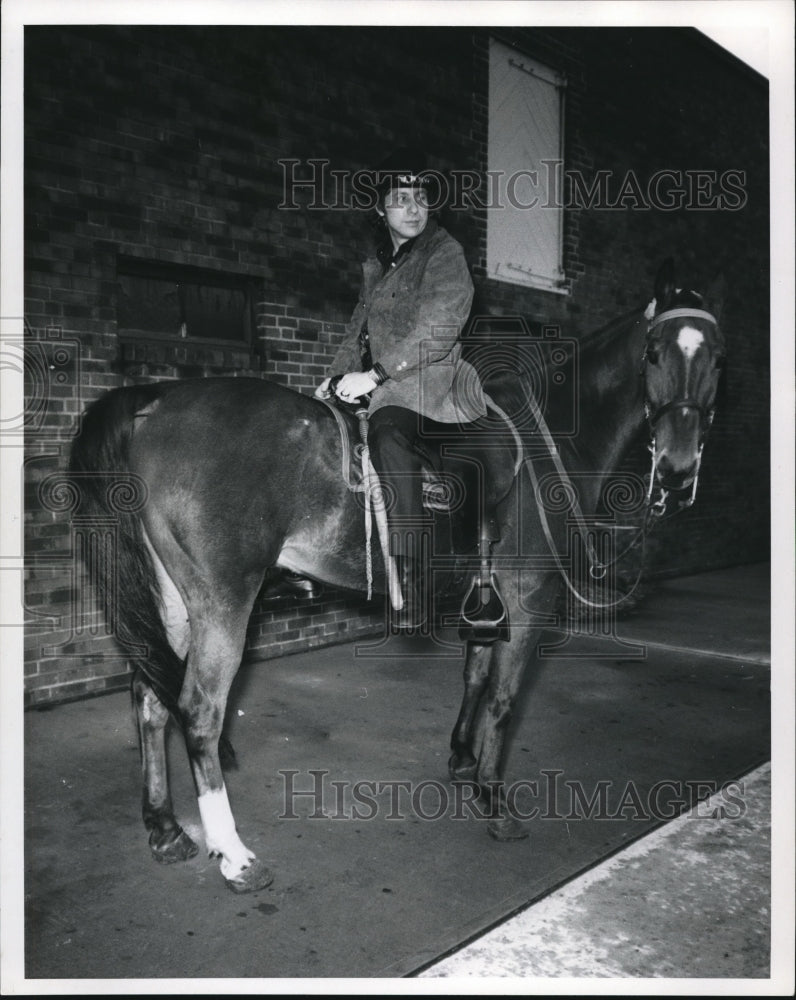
[(686, 403)]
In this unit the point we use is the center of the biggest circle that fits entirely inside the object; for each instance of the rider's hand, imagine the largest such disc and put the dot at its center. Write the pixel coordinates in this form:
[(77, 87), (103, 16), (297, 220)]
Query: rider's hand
[(354, 385), (322, 392)]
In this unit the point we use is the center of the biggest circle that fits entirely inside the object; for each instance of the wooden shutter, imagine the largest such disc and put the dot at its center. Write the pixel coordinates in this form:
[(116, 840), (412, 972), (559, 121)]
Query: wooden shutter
[(524, 244)]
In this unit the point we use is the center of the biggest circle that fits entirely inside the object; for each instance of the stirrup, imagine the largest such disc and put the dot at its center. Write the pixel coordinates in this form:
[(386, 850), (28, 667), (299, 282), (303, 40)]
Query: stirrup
[(484, 615)]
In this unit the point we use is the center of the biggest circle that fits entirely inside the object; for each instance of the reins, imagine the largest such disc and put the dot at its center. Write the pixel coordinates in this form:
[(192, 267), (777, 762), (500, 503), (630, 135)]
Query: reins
[(597, 568)]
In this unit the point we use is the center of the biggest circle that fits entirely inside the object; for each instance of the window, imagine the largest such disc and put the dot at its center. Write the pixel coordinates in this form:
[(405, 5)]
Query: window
[(197, 320), (167, 300), (526, 144)]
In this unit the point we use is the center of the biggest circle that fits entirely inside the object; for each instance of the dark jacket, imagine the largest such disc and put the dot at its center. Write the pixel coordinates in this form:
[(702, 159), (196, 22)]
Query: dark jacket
[(415, 313)]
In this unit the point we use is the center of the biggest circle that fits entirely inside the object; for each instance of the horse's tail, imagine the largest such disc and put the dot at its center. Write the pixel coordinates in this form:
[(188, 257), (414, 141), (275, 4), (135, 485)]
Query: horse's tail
[(126, 584)]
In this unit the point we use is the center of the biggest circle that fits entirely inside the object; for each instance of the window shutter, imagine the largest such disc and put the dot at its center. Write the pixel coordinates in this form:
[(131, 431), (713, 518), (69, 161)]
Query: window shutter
[(525, 222)]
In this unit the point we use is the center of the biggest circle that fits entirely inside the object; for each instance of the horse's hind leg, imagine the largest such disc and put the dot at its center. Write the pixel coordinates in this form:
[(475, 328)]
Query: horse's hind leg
[(167, 840), (213, 660)]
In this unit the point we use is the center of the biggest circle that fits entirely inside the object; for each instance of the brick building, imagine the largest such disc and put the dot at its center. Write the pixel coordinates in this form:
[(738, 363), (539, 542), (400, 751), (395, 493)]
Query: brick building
[(159, 158)]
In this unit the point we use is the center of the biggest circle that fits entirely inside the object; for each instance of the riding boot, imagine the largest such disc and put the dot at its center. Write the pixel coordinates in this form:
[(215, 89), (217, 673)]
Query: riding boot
[(413, 614)]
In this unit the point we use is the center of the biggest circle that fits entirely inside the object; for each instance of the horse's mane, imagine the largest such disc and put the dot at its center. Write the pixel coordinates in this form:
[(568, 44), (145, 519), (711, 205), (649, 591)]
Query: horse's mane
[(602, 337), (510, 389)]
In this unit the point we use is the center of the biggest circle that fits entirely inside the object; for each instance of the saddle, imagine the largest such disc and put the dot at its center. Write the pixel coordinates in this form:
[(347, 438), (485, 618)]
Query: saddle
[(465, 476)]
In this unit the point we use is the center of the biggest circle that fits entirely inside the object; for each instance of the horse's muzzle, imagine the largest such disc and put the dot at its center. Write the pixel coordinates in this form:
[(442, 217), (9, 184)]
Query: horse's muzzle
[(676, 477), (676, 483)]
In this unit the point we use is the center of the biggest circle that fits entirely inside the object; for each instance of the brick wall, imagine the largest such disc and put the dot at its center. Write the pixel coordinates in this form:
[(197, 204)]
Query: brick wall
[(652, 100), (164, 143)]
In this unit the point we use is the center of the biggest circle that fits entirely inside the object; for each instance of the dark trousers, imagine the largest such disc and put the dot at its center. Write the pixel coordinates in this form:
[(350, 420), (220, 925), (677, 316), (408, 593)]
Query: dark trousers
[(398, 453)]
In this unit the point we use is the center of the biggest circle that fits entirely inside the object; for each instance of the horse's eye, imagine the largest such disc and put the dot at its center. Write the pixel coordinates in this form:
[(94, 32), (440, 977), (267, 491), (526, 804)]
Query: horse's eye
[(652, 355), (719, 362)]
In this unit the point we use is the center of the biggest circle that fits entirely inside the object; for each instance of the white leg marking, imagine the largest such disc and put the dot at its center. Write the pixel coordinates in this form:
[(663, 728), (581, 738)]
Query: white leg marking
[(689, 341), (221, 837), (172, 607)]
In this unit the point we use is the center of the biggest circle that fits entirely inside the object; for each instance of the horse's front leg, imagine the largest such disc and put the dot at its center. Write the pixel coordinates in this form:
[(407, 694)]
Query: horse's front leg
[(462, 764), (167, 840), (212, 663), (507, 668)]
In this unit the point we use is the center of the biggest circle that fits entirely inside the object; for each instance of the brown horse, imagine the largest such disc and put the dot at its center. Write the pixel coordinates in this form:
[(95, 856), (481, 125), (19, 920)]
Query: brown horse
[(240, 475)]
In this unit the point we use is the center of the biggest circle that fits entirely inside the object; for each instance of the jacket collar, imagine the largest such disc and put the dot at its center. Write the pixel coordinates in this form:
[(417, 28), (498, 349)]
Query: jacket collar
[(387, 258)]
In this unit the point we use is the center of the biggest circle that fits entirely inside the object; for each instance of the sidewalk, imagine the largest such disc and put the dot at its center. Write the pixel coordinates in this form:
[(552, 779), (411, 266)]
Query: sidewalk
[(692, 898), (689, 900)]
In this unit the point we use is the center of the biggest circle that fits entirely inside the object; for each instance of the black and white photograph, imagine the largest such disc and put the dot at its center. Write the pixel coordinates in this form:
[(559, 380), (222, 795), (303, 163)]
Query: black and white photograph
[(397, 498)]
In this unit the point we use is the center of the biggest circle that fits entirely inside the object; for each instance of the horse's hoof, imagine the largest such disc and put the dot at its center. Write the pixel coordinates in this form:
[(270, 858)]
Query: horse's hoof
[(172, 848), (506, 828), (462, 769), (255, 877)]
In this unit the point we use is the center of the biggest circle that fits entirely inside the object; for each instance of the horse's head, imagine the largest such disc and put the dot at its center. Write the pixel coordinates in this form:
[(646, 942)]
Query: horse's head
[(682, 365)]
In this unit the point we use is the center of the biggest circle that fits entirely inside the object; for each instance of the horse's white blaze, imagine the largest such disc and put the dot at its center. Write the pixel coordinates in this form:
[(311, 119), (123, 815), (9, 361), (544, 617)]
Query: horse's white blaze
[(221, 837), (172, 607), (689, 340)]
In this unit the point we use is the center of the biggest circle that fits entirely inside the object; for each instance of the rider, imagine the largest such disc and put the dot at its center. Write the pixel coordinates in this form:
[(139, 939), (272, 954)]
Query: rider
[(401, 348)]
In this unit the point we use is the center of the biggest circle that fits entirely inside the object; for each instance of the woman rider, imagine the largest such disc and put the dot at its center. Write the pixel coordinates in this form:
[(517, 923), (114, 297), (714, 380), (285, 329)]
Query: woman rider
[(401, 348)]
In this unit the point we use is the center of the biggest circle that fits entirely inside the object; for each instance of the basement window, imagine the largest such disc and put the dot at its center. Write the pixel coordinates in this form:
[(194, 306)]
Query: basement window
[(168, 300), (173, 314)]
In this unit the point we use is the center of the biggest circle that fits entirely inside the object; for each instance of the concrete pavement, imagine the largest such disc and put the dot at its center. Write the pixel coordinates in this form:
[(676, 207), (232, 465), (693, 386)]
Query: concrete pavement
[(430, 900)]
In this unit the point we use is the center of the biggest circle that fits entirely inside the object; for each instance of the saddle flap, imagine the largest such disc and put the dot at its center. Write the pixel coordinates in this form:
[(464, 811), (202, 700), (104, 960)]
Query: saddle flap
[(471, 470)]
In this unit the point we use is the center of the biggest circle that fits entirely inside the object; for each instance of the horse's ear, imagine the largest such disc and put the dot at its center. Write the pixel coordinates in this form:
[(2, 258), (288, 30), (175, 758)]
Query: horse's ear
[(714, 296), (664, 284)]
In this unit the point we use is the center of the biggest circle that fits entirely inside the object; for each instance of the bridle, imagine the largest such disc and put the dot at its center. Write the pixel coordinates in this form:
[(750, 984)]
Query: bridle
[(655, 510), (705, 414)]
